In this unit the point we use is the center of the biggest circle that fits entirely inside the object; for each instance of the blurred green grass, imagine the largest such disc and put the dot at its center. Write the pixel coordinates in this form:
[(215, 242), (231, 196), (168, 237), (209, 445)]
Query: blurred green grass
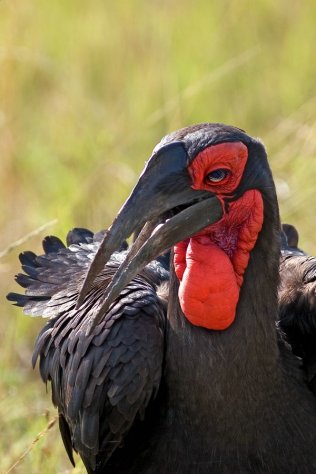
[(86, 91)]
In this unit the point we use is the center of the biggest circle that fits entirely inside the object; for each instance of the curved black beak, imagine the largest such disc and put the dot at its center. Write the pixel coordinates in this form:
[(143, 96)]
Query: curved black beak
[(163, 186)]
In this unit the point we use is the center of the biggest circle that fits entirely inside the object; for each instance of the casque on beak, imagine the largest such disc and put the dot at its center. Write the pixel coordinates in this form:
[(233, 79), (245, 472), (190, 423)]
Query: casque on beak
[(163, 187)]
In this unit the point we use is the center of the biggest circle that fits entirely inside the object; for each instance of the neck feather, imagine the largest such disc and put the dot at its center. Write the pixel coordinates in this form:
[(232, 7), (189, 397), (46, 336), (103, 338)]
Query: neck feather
[(225, 366)]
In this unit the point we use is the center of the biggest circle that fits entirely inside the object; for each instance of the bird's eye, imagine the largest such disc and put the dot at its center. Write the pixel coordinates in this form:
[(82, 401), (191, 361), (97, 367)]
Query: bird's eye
[(216, 176)]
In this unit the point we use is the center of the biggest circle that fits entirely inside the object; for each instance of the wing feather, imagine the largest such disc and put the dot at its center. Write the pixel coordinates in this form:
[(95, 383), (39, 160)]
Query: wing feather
[(102, 383), (297, 305)]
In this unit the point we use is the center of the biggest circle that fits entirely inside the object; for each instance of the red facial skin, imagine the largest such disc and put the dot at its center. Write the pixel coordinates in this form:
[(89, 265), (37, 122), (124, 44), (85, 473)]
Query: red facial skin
[(210, 266)]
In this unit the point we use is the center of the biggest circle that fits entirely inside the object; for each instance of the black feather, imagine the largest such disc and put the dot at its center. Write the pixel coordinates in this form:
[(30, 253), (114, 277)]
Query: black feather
[(79, 236), (105, 374), (66, 437), (297, 303)]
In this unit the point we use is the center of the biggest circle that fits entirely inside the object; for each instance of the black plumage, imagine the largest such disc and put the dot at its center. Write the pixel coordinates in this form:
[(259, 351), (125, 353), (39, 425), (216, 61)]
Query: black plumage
[(297, 300), (103, 382), (138, 387)]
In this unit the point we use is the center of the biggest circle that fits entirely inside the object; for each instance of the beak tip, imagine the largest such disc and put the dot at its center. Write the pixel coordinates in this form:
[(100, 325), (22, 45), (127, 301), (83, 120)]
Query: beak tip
[(79, 301), (82, 293)]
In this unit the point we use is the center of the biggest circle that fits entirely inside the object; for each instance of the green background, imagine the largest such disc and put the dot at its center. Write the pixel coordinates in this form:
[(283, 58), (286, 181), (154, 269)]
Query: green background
[(86, 91)]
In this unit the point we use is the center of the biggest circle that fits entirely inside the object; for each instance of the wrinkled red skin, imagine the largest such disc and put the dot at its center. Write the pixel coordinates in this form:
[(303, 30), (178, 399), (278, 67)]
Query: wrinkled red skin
[(210, 266)]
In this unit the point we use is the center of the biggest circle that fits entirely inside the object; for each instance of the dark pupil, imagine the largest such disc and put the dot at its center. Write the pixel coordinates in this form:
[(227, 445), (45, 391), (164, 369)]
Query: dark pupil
[(217, 175)]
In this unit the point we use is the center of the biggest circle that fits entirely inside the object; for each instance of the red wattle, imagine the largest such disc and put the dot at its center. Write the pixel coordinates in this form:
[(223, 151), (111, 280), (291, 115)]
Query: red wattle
[(211, 265), (208, 291)]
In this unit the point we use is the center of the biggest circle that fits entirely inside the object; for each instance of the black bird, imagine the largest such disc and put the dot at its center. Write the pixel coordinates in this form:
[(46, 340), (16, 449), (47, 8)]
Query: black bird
[(206, 385), (297, 302)]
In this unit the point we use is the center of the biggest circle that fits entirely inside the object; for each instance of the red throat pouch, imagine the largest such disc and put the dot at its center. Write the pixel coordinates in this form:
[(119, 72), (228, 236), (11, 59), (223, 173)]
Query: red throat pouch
[(210, 265)]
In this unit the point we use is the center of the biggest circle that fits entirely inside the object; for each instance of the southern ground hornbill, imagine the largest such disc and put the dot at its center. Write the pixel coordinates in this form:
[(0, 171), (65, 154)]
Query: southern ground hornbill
[(196, 378)]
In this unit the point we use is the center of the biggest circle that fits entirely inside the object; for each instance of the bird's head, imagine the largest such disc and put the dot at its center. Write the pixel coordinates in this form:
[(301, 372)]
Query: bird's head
[(204, 192)]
